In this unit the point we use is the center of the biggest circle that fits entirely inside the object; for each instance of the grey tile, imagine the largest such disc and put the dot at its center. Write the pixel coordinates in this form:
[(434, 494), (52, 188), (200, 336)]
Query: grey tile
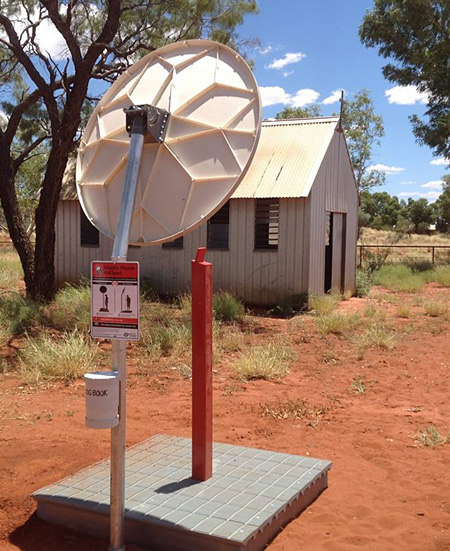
[(260, 518), (209, 508), (175, 516), (227, 511), (259, 502), (226, 496), (191, 505), (242, 533), (243, 515), (191, 521), (226, 529), (209, 525)]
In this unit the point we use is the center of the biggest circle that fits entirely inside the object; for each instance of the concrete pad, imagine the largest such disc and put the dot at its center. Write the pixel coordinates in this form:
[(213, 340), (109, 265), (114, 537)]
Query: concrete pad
[(251, 496)]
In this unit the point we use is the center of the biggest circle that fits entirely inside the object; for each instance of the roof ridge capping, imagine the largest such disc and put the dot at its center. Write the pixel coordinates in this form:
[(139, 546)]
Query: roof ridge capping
[(312, 120)]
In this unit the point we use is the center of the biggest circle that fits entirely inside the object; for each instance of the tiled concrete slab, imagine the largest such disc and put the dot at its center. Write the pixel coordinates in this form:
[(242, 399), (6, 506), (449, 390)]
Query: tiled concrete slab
[(252, 494)]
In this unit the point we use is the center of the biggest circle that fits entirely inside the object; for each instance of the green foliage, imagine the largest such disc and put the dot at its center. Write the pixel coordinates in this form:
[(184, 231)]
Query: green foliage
[(148, 289), (270, 361), (364, 282), (19, 313), (380, 209), (299, 112), (290, 306), (363, 129), (430, 436), (358, 385), (226, 307), (420, 213), (435, 308), (70, 309), (441, 275), (337, 324), (414, 36), (47, 358), (324, 304), (399, 277)]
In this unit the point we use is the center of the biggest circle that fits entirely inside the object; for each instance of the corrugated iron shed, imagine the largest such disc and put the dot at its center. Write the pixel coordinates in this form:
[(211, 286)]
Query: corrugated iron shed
[(287, 158)]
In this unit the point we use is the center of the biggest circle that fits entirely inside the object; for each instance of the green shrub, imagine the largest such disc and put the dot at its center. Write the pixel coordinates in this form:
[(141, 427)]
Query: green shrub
[(227, 307), (70, 308), (19, 313), (172, 340), (268, 362), (324, 304), (338, 324), (364, 282), (441, 276), (289, 306), (148, 289), (65, 358), (399, 277), (435, 308)]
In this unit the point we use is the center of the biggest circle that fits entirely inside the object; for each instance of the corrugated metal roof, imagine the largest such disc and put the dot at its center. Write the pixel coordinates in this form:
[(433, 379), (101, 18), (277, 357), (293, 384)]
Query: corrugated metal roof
[(287, 158), (285, 164)]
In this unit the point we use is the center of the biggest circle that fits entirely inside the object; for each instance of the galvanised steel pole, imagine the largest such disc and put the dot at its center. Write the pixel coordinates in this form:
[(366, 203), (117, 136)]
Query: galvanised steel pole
[(119, 347)]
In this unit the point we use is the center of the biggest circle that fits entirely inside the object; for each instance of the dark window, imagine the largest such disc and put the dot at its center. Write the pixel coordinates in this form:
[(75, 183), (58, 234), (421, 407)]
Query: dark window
[(266, 224), (175, 244), (217, 229), (89, 234)]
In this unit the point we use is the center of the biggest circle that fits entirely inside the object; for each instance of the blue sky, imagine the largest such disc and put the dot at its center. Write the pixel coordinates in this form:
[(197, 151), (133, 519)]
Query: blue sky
[(309, 50)]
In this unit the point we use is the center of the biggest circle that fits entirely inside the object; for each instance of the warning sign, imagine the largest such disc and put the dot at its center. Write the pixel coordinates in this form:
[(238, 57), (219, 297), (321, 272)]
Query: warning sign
[(115, 300)]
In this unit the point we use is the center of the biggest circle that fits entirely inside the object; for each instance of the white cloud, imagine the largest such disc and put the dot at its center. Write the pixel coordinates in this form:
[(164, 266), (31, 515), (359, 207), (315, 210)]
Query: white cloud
[(434, 184), (288, 59), (287, 73), (409, 183), (334, 98), (274, 95), (264, 50), (442, 161), (386, 169), (405, 95)]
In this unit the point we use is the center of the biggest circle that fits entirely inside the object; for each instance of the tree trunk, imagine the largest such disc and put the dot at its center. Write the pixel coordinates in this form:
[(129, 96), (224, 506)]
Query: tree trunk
[(13, 216), (44, 256)]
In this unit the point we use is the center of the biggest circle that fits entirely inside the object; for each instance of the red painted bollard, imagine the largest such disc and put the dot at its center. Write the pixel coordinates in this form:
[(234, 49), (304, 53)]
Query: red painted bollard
[(201, 367)]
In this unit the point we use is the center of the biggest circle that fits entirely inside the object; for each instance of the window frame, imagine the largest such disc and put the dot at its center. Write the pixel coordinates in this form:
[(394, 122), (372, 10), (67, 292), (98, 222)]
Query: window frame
[(267, 224), (89, 234), (218, 222)]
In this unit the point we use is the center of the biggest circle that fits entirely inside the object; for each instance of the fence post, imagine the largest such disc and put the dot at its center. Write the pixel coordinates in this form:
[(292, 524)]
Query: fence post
[(201, 367), (432, 255)]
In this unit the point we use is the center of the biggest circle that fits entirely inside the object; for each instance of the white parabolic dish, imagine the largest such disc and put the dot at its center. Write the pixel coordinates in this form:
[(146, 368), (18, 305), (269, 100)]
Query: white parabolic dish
[(214, 125)]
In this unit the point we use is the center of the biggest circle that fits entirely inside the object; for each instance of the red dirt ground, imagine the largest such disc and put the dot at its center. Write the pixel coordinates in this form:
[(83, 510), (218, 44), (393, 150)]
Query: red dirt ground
[(385, 492)]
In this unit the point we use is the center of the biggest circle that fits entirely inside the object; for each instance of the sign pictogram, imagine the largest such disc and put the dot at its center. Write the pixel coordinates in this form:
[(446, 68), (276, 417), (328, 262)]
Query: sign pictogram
[(115, 300)]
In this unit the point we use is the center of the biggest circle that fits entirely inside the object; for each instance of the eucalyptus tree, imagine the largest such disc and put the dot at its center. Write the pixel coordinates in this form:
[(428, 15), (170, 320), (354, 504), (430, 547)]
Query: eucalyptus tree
[(54, 56), (414, 36)]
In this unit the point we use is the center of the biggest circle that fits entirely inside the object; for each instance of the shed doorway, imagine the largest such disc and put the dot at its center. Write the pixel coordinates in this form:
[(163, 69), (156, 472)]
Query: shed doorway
[(335, 244)]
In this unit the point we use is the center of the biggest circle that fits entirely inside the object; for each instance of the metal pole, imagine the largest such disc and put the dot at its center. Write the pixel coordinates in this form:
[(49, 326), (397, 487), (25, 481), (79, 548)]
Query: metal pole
[(119, 347)]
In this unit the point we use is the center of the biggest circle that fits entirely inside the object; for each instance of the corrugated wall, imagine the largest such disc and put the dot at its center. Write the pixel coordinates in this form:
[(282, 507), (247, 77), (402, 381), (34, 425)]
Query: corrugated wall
[(335, 188), (258, 277), (71, 260)]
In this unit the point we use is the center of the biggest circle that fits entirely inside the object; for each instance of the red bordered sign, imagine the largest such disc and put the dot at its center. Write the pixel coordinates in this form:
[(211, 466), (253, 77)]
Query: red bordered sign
[(115, 300)]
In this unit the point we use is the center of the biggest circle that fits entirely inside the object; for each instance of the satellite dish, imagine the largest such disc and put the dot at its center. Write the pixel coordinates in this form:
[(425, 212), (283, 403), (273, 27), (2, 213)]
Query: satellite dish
[(206, 113)]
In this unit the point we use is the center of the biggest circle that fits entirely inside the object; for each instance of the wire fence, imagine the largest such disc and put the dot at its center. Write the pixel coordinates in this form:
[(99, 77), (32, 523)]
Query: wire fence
[(436, 254)]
